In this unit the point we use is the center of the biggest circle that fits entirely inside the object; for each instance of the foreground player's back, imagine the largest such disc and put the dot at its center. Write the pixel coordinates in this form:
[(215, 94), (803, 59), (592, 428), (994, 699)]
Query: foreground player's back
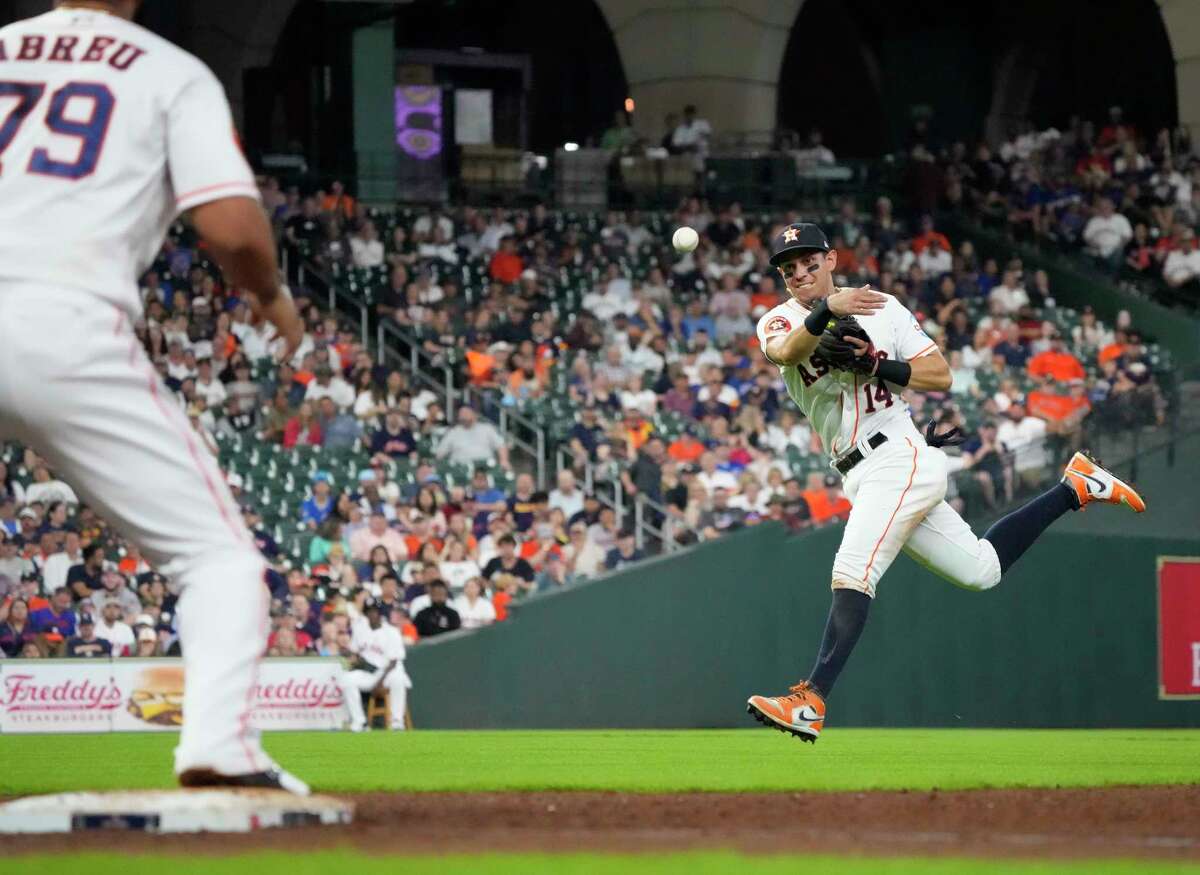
[(107, 132)]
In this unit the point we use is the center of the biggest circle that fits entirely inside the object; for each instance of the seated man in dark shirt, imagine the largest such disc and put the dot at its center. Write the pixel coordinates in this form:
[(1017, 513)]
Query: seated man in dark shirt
[(508, 565), (84, 579), (86, 645), (625, 553), (439, 617), (395, 439)]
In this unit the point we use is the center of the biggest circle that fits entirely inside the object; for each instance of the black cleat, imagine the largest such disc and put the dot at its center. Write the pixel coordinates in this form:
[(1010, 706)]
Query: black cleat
[(272, 779)]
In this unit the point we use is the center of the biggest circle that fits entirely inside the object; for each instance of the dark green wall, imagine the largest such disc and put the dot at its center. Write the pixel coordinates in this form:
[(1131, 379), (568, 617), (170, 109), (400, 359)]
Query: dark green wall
[(1067, 639)]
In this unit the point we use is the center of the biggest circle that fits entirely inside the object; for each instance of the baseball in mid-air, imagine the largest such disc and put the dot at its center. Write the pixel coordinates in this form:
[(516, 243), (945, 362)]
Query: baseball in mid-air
[(685, 240)]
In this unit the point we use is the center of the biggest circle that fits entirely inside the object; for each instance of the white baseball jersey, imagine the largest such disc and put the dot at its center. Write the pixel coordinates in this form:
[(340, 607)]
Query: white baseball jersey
[(845, 407), (377, 646), (107, 133)]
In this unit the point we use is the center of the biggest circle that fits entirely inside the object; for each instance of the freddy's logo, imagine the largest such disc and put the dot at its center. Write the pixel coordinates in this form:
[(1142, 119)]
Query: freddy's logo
[(22, 692)]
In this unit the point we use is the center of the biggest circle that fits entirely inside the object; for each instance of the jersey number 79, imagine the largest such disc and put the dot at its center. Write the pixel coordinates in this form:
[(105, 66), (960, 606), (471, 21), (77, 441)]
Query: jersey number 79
[(90, 131)]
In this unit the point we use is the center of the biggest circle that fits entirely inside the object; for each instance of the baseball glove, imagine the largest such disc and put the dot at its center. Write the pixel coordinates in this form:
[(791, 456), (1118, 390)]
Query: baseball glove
[(951, 438), (837, 352)]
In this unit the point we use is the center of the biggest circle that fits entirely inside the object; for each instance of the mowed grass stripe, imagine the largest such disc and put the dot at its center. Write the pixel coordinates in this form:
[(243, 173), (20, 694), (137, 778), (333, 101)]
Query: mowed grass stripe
[(323, 863), (637, 761)]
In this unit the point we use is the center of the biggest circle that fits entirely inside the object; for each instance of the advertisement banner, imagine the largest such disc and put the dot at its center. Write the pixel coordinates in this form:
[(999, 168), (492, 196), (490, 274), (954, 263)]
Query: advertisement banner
[(146, 695), (1178, 627)]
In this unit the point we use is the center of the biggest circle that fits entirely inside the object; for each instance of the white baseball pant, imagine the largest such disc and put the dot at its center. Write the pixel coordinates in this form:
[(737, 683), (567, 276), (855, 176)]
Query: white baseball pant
[(897, 493), (76, 386), (354, 683)]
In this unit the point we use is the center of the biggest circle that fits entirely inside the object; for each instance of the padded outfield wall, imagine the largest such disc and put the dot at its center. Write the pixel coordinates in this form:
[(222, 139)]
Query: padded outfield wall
[(1068, 639)]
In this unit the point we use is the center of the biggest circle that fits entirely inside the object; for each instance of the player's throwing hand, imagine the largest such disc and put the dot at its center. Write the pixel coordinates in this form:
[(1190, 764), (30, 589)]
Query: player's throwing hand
[(856, 302)]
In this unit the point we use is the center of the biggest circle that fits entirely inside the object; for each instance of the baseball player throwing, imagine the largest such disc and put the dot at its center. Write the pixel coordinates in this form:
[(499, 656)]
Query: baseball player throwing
[(107, 133), (845, 356)]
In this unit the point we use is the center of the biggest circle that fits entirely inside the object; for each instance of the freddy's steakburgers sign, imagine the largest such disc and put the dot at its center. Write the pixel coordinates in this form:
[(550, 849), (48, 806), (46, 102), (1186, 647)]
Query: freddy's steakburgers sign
[(146, 695)]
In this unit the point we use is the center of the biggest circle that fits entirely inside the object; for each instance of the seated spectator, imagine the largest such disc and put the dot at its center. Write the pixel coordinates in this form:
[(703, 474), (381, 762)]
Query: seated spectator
[(1107, 233), (1009, 296), (509, 567), (456, 567), (1056, 362), (506, 264), (325, 384), (721, 517), (541, 546), (586, 434), (582, 556), (473, 607), (377, 533), (624, 552), (1014, 353), (84, 579), (317, 507), (439, 617), (524, 503), (117, 633), (86, 645), (366, 249), (1024, 436), (983, 455), (1181, 271), (472, 442), (339, 429), (302, 429), (16, 628), (567, 496), (825, 499), (55, 617), (555, 575), (395, 439)]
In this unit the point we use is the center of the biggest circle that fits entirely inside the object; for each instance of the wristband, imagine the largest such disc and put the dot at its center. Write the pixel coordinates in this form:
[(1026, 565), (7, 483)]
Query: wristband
[(815, 322), (898, 373)]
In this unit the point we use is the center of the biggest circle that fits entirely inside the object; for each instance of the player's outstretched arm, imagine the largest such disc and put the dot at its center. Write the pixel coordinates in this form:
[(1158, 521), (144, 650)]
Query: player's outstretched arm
[(239, 237), (930, 373)]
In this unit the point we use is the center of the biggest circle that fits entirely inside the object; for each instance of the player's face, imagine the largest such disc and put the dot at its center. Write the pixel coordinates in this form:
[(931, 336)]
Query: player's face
[(809, 275)]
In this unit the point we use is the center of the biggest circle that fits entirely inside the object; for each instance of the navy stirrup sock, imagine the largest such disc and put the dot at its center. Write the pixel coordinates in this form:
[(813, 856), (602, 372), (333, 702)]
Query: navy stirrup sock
[(1012, 535), (847, 616)]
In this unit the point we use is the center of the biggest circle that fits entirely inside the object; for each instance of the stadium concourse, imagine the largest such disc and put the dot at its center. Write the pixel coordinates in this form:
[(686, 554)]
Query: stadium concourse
[(640, 364)]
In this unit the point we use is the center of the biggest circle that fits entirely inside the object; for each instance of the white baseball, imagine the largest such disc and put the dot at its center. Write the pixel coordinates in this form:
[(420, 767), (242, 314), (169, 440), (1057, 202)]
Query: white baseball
[(685, 240)]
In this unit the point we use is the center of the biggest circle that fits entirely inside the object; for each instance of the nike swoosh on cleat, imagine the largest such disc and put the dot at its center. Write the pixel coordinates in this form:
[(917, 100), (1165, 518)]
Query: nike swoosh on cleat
[(1099, 483), (807, 713)]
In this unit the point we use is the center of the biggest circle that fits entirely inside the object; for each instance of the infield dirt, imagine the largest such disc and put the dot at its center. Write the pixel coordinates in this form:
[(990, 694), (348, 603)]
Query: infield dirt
[(1148, 822)]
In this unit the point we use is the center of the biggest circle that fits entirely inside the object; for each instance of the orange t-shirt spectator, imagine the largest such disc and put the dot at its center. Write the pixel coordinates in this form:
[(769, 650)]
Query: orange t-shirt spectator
[(928, 236), (337, 201), (827, 503), (506, 265), (686, 448), (1054, 408), (1057, 363)]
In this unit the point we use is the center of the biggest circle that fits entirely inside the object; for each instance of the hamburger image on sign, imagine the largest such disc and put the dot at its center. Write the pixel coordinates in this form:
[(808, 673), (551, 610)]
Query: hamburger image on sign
[(157, 696)]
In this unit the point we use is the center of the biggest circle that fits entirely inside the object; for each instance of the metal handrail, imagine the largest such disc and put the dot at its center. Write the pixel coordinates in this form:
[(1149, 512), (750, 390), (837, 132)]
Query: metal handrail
[(642, 526), (419, 362), (306, 270)]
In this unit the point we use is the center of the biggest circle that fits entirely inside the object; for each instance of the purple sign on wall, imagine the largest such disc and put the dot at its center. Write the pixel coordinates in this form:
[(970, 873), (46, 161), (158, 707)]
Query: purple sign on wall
[(419, 120)]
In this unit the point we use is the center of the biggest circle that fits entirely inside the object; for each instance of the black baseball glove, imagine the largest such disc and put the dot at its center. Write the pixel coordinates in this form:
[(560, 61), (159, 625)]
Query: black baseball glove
[(837, 352), (951, 438)]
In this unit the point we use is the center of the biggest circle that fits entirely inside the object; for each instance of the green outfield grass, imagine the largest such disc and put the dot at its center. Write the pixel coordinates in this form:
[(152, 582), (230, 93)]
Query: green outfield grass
[(637, 761), (571, 864)]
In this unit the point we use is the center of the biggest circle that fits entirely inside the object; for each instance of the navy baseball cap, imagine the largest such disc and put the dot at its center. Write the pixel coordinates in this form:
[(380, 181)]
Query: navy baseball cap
[(795, 238)]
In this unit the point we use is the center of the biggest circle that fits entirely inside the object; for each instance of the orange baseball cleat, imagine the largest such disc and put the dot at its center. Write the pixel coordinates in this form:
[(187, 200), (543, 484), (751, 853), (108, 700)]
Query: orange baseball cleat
[(1093, 483), (801, 712)]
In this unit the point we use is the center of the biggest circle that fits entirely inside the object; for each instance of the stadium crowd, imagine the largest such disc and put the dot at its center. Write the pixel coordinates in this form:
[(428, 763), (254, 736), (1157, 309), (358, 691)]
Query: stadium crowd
[(1127, 200), (647, 360)]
